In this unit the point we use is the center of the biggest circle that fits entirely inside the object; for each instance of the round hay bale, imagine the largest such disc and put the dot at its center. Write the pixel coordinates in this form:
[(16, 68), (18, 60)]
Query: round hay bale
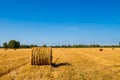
[(113, 48), (100, 49), (5, 49), (41, 56)]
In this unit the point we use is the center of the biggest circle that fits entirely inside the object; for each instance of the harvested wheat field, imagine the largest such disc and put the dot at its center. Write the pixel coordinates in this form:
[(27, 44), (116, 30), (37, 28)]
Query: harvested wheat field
[(68, 64)]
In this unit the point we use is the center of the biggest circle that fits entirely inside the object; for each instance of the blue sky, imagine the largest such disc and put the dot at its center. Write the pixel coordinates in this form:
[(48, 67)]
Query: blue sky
[(55, 22)]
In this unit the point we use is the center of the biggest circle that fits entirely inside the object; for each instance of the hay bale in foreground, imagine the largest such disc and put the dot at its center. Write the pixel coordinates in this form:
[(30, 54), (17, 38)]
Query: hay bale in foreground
[(41, 56)]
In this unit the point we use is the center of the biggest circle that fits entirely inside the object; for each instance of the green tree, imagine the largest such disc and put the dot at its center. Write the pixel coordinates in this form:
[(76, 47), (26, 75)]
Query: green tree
[(13, 44), (24, 46), (33, 46), (5, 45), (17, 44), (44, 45)]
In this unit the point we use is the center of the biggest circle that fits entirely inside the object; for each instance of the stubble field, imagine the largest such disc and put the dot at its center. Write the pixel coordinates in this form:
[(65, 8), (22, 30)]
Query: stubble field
[(68, 64)]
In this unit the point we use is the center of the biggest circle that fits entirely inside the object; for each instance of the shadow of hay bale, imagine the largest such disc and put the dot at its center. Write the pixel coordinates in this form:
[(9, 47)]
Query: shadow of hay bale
[(60, 64)]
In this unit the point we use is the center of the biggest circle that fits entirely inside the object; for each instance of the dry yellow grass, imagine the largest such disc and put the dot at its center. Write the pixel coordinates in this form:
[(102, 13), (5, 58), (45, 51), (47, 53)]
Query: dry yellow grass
[(68, 64)]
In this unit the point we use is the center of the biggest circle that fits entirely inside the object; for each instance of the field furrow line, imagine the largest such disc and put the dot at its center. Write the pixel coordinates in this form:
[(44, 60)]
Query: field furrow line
[(97, 59), (18, 64)]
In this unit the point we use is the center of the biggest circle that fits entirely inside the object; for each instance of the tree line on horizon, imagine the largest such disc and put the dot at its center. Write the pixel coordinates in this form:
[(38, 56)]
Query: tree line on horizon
[(86, 46), (13, 44)]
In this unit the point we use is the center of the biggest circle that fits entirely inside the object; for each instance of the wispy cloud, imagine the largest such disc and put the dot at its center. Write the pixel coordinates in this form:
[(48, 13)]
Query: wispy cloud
[(73, 28)]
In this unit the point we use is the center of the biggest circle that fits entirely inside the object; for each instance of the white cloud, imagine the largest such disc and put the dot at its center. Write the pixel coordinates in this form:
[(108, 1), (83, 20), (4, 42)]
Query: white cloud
[(74, 28)]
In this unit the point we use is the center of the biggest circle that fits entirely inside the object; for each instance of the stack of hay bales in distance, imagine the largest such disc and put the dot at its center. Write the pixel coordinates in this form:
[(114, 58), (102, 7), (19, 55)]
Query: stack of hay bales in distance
[(41, 56)]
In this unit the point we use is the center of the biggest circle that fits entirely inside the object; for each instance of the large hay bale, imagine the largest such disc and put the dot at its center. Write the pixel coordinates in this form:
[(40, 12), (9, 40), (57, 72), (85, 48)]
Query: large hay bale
[(41, 56)]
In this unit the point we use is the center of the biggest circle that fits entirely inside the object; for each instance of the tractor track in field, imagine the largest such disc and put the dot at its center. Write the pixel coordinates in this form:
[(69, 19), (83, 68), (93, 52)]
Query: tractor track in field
[(11, 59), (55, 66), (97, 59), (10, 70), (54, 70)]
